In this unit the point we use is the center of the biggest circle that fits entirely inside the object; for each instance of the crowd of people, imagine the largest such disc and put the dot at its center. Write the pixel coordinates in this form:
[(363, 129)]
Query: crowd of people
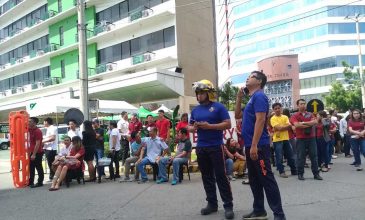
[(266, 135)]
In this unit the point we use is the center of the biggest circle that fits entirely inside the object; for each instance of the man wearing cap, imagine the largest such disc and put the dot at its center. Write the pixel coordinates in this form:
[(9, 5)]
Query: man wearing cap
[(209, 119), (123, 127), (99, 153)]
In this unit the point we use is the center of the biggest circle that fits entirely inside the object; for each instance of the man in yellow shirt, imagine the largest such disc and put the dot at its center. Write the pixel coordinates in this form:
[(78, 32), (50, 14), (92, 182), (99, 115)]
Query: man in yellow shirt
[(280, 124)]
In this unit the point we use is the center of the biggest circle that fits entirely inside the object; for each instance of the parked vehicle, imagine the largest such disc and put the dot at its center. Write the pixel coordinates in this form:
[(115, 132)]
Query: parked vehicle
[(4, 143)]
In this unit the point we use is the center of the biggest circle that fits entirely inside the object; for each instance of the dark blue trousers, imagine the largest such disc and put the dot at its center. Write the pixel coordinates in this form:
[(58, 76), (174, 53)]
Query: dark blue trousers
[(262, 179), (212, 167)]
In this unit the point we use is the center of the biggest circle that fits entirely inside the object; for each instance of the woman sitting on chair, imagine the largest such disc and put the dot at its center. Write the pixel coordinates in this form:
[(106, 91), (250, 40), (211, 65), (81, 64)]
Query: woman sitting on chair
[(73, 161)]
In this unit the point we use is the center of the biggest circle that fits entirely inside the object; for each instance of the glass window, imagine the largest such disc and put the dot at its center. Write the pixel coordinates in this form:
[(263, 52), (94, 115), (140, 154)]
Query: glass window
[(117, 52), (25, 78), (153, 3), (101, 56), (136, 46), (126, 50), (169, 36), (123, 9), (155, 41), (59, 5), (115, 13), (61, 35), (107, 14)]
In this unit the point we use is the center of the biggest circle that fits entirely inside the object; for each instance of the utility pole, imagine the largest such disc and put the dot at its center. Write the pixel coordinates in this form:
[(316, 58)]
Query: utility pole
[(83, 70), (357, 18)]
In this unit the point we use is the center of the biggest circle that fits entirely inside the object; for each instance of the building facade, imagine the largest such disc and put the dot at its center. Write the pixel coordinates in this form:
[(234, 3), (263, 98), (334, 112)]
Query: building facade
[(139, 51), (315, 30)]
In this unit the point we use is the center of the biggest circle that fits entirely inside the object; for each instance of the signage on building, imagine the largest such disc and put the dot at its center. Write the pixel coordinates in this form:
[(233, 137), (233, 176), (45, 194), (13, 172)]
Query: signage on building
[(4, 128), (315, 105), (277, 75)]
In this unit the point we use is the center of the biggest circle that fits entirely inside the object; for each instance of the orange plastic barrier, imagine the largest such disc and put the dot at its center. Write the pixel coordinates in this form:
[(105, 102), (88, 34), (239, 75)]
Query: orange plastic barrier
[(19, 157)]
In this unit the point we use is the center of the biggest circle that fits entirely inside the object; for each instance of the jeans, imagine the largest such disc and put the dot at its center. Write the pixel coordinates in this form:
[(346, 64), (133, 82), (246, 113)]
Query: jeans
[(322, 150), (141, 166), (124, 150), (293, 144), (311, 145), (50, 155), (99, 153), (229, 166), (284, 148), (175, 167), (127, 167), (212, 167), (115, 158), (346, 144), (262, 179), (331, 146), (358, 147), (36, 164)]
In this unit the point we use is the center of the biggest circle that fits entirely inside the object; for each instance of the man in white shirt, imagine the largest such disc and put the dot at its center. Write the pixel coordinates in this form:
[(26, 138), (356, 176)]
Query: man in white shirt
[(50, 144), (114, 147), (345, 135), (123, 127), (73, 130)]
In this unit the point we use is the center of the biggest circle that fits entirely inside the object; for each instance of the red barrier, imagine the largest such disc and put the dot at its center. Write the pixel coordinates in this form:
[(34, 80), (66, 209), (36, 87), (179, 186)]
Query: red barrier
[(19, 157)]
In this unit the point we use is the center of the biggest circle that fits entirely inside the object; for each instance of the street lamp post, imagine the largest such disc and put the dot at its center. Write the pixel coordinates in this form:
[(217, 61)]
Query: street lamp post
[(357, 18)]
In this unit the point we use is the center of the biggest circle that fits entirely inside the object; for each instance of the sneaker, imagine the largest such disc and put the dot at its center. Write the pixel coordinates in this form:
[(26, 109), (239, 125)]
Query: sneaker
[(208, 210), (357, 165), (161, 181), (246, 182), (324, 169), (334, 157), (283, 175), (300, 177), (359, 168), (228, 213), (253, 215), (318, 177), (143, 181), (348, 156), (353, 163), (174, 182)]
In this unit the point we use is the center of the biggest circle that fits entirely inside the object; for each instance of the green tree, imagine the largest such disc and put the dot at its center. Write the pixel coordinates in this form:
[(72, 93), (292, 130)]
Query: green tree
[(227, 96), (341, 96)]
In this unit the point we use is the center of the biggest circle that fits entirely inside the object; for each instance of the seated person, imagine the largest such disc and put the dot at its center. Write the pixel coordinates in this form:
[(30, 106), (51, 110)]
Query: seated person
[(235, 162), (182, 155), (136, 148), (63, 152), (73, 161), (153, 145)]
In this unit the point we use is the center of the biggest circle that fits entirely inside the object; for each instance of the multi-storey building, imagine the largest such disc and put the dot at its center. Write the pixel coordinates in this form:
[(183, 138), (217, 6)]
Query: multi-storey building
[(139, 51), (316, 30)]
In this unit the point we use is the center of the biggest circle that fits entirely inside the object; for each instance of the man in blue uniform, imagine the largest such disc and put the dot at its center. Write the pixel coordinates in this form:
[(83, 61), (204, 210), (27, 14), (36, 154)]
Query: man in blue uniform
[(209, 119), (257, 147)]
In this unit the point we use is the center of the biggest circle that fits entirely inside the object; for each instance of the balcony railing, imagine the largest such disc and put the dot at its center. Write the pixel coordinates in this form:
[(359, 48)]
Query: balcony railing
[(101, 68), (144, 57), (30, 86), (140, 12)]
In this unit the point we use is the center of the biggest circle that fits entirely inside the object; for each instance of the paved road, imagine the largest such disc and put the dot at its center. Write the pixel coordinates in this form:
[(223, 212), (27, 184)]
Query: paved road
[(340, 196)]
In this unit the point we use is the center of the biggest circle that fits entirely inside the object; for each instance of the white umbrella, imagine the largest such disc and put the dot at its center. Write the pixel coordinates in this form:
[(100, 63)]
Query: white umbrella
[(164, 108)]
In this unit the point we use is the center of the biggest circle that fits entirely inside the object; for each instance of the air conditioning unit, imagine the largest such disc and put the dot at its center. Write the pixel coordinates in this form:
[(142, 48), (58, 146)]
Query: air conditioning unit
[(40, 84), (8, 92), (26, 58), (145, 13), (108, 27), (52, 13), (27, 88), (2, 67), (38, 21), (109, 67), (40, 52), (20, 60), (147, 57), (19, 90)]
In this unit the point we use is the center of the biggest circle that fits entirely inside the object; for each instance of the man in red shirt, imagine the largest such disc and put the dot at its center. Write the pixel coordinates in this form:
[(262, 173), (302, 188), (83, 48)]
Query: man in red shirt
[(35, 152), (305, 123), (163, 126)]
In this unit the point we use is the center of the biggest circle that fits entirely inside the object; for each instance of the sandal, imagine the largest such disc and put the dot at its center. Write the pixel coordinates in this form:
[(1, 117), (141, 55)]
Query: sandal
[(53, 189)]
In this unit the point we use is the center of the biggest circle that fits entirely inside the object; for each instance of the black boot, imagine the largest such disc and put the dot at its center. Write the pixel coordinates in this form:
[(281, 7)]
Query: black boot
[(209, 209), (228, 213)]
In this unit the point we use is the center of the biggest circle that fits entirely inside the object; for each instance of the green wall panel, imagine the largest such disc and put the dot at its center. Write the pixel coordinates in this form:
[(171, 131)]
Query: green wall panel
[(66, 4), (72, 64), (70, 28)]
